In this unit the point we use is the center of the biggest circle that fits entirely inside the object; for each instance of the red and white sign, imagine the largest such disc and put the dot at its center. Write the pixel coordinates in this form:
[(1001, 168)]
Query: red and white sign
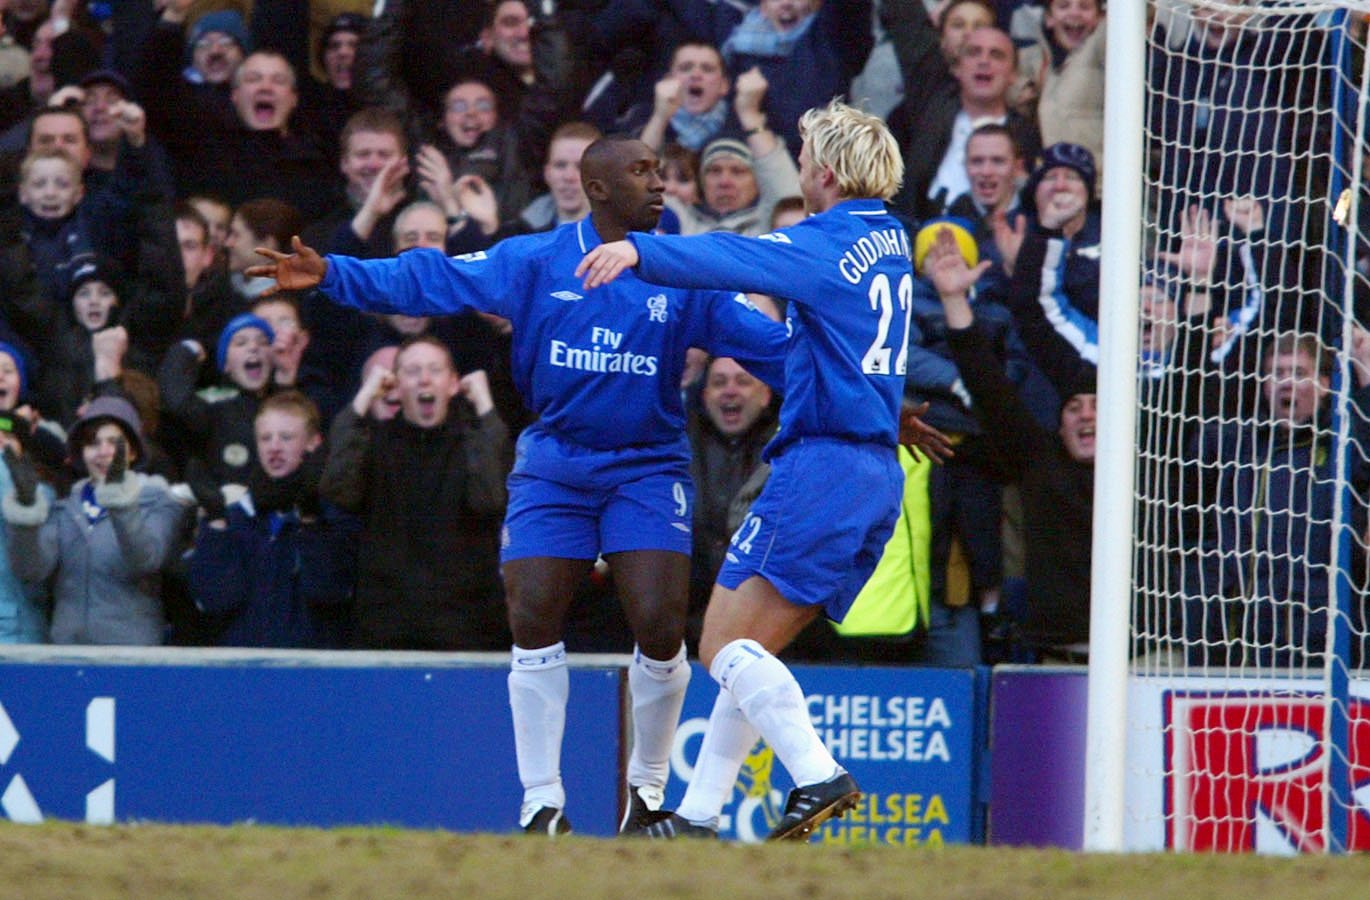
[(1247, 770)]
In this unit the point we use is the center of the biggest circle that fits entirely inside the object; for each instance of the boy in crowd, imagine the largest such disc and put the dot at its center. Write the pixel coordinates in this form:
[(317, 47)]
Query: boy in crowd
[(274, 565), (218, 419)]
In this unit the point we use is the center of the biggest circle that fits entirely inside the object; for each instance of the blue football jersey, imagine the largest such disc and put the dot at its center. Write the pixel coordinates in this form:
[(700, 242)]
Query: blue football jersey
[(601, 368), (849, 282)]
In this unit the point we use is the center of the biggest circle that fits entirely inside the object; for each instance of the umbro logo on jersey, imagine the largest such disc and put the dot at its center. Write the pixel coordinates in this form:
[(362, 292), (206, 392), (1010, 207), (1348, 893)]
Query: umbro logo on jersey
[(568, 296)]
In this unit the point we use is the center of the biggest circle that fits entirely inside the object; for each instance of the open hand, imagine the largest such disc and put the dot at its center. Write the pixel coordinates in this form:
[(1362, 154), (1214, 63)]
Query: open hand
[(920, 438), (1198, 251), (606, 262), (297, 271), (946, 267), (1008, 237)]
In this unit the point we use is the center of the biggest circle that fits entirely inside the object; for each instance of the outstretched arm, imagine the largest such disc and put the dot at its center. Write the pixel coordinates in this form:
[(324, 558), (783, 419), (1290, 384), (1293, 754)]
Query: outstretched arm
[(718, 260)]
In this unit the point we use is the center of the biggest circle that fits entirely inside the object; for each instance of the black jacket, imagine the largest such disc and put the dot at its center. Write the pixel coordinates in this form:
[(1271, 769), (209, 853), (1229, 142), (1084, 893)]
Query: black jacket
[(1058, 496), (432, 501)]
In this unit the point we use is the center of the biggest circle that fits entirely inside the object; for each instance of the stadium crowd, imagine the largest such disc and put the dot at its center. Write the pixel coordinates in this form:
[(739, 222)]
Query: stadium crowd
[(190, 462)]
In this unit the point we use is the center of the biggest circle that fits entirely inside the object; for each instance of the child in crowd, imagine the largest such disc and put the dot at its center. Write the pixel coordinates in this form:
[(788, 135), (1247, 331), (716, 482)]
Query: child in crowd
[(274, 565), (93, 336), (104, 544), (218, 420), (50, 192)]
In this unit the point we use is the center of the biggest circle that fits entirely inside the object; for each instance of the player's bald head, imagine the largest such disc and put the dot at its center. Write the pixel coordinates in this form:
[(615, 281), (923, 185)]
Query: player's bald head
[(622, 179), (608, 156)]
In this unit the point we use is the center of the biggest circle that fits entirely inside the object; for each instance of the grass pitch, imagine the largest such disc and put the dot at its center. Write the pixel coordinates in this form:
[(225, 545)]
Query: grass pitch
[(144, 861)]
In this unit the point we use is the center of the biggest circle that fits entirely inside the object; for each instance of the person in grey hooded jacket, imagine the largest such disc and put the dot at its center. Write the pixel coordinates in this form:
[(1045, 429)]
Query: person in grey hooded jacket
[(105, 543)]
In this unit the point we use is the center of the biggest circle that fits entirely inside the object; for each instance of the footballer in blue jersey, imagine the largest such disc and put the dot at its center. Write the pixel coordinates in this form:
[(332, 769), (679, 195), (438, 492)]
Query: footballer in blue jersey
[(605, 468), (804, 548)]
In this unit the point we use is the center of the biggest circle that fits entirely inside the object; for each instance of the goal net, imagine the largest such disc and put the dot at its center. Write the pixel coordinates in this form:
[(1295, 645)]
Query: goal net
[(1247, 715)]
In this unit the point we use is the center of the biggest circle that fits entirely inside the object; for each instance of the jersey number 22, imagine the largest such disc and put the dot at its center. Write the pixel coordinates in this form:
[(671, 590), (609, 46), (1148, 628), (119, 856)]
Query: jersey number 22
[(877, 358)]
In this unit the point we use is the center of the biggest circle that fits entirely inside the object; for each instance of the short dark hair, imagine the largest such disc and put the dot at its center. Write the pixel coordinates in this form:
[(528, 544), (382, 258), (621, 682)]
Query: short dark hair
[(377, 120), (492, 7), (269, 217), (998, 129), (274, 54), (184, 212), (72, 111), (682, 156), (695, 42), (983, 4)]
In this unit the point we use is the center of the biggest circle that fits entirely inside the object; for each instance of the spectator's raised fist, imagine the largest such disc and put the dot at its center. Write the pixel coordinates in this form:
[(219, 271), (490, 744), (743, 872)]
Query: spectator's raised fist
[(751, 88), (131, 119), (667, 95), (110, 343), (475, 387)]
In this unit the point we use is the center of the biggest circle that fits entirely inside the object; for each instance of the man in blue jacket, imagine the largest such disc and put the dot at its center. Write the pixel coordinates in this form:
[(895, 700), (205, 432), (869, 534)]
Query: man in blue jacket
[(605, 469)]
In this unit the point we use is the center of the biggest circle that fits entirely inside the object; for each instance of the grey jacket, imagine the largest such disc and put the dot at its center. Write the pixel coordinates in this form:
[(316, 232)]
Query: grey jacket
[(106, 588)]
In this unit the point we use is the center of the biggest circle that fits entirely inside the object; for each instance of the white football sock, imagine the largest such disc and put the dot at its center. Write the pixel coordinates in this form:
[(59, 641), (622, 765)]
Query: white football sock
[(658, 691), (774, 703), (539, 684), (727, 741)]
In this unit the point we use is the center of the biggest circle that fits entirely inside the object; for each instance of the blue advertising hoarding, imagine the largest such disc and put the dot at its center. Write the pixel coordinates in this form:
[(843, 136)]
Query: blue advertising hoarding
[(421, 746), (906, 735)]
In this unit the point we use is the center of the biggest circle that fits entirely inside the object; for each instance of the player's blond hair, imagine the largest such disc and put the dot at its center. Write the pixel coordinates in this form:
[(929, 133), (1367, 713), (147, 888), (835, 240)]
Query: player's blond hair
[(858, 148)]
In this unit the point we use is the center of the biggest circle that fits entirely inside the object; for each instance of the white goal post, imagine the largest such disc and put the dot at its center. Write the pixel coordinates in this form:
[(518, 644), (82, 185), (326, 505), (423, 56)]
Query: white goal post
[(1228, 665)]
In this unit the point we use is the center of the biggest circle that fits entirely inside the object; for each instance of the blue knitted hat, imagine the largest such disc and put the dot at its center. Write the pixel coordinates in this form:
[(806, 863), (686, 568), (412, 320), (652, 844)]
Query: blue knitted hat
[(13, 353), (237, 324), (225, 21)]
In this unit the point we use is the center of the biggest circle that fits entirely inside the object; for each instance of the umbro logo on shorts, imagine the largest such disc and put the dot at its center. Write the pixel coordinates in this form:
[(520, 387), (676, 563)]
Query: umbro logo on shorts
[(568, 296)]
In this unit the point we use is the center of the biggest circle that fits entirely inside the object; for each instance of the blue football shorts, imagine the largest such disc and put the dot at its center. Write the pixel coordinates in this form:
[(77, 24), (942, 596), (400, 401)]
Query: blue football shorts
[(820, 524), (600, 502)]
